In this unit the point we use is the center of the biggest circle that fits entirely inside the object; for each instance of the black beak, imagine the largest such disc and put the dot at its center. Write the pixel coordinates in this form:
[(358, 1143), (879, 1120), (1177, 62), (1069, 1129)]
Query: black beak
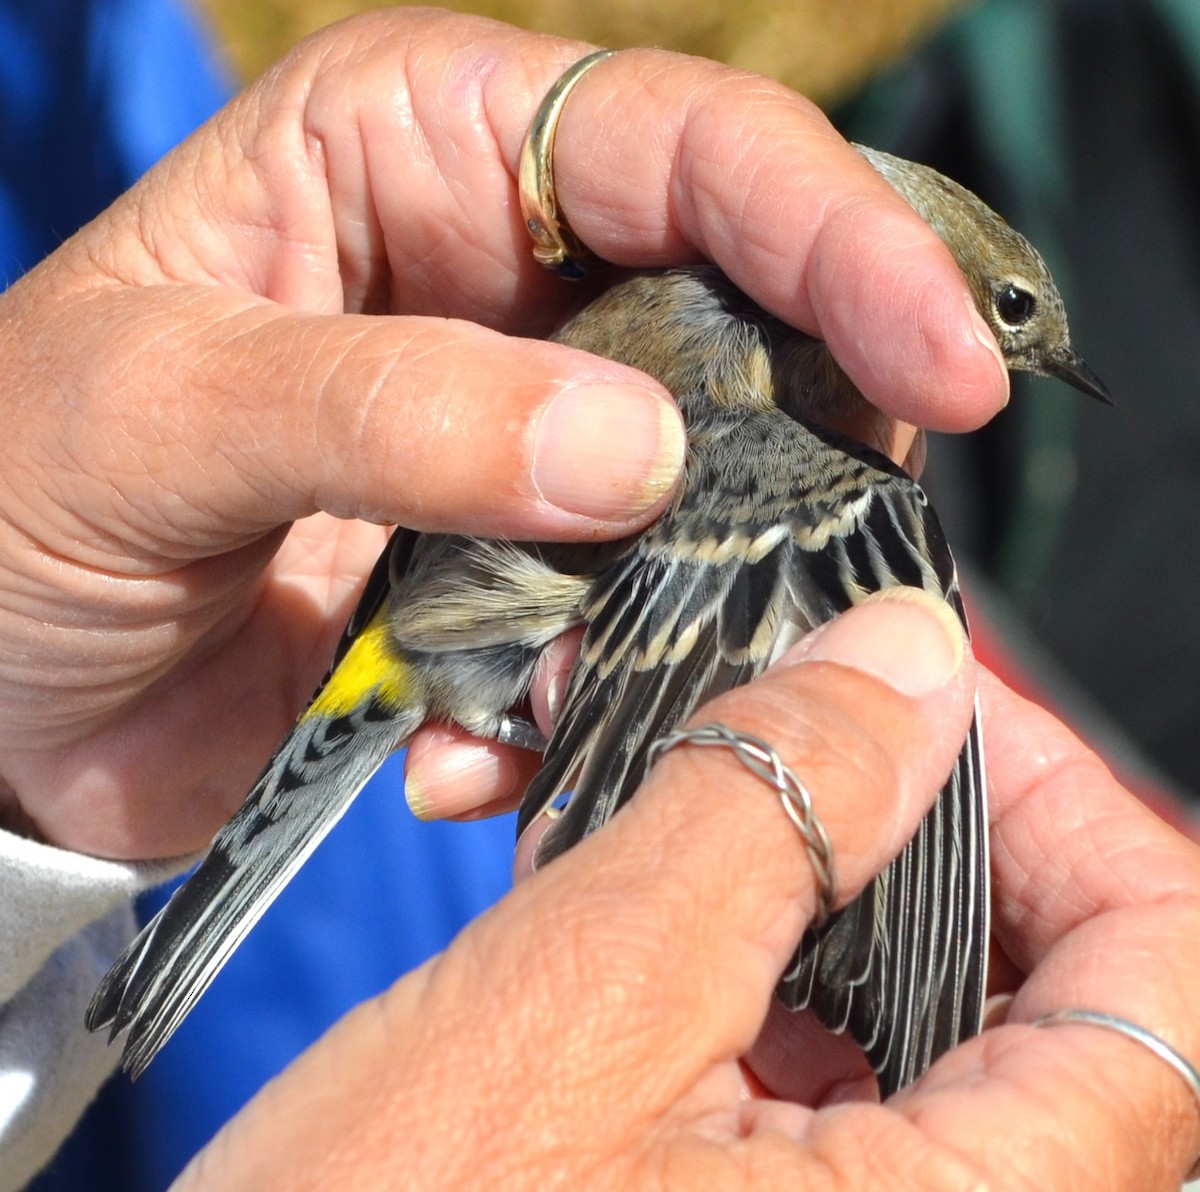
[(1067, 366)]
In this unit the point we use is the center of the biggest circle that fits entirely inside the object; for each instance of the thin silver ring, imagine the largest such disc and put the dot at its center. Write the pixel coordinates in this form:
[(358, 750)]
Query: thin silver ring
[(760, 759), (555, 244), (1122, 1026)]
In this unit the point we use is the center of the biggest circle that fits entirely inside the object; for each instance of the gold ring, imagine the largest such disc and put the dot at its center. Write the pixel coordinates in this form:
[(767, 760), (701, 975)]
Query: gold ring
[(555, 245)]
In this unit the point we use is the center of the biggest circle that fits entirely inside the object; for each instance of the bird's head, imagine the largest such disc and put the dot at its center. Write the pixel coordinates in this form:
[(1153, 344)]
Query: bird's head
[(1012, 286)]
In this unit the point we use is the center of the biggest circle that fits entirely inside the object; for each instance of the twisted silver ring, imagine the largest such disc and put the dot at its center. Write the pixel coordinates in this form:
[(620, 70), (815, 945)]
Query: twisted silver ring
[(760, 759), (1122, 1026), (555, 244)]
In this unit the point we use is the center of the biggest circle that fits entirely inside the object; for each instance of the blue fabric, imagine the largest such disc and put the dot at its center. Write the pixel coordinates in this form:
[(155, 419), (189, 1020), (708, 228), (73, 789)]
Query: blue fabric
[(381, 895), (92, 93)]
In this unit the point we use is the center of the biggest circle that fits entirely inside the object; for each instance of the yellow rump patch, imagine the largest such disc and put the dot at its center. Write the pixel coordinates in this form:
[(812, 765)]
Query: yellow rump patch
[(371, 670)]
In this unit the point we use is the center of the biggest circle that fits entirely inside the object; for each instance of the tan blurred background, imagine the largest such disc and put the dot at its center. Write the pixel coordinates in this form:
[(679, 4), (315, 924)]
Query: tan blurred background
[(820, 48)]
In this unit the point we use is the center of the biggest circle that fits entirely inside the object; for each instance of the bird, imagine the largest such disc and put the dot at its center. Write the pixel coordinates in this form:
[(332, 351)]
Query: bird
[(778, 524)]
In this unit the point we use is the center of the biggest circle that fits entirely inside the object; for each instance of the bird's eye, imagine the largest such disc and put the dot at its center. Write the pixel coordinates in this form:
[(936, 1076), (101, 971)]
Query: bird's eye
[(1014, 306)]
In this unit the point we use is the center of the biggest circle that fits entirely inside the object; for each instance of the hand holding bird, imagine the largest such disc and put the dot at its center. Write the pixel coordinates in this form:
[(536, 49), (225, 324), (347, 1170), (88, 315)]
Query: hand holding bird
[(131, 620), (778, 526)]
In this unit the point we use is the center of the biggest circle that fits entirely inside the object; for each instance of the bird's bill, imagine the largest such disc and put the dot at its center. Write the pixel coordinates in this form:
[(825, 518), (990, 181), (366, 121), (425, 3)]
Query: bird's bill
[(1069, 367)]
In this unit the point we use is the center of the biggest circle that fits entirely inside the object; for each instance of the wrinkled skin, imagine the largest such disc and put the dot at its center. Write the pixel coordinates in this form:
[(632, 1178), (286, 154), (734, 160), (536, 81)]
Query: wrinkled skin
[(628, 984), (202, 383), (208, 363)]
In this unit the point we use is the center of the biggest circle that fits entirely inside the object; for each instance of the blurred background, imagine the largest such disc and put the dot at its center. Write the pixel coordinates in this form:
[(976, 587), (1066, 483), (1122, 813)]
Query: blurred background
[(825, 48), (1077, 526)]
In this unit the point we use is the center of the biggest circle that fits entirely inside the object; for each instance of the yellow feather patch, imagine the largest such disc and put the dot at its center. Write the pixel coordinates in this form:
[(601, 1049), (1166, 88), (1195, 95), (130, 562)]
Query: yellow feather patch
[(371, 670)]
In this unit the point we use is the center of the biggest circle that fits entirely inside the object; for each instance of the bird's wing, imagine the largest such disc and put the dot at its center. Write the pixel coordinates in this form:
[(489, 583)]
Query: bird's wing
[(778, 528), (302, 793), (903, 967)]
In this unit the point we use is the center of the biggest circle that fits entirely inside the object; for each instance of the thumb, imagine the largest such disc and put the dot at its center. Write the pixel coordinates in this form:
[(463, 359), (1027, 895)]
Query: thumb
[(251, 414), (675, 922), (569, 1021)]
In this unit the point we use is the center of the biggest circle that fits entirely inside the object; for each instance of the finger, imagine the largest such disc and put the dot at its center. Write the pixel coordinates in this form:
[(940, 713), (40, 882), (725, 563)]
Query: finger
[(681, 914), (550, 679), (451, 775), (795, 1058), (659, 159), (900, 441), (1117, 935), (1060, 1107), (275, 415), (752, 176), (1077, 858), (1099, 902), (914, 461)]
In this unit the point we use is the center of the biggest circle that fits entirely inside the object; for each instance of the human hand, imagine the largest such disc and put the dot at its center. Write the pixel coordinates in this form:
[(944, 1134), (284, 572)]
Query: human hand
[(312, 311), (604, 1025)]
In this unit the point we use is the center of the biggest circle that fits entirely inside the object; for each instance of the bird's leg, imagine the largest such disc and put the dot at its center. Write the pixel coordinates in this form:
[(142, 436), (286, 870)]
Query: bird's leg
[(524, 734)]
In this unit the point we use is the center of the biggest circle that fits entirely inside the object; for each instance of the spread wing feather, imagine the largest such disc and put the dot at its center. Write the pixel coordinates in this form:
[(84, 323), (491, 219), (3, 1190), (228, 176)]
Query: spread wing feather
[(702, 603)]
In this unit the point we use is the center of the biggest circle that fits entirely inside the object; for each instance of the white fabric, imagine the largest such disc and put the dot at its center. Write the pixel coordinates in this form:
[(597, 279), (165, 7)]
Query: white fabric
[(64, 917)]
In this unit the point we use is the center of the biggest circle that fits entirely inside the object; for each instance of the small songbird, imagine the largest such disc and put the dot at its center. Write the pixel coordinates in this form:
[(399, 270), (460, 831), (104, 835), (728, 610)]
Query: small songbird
[(778, 525)]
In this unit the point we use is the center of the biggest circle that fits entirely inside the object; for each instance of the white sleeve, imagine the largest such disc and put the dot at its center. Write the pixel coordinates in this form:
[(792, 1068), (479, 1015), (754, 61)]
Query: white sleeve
[(64, 917)]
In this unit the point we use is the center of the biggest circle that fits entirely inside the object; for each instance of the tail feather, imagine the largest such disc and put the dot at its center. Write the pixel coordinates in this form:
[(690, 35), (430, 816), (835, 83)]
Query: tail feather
[(302, 794)]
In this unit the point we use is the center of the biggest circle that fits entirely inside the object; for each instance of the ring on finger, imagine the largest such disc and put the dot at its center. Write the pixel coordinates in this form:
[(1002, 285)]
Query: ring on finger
[(555, 244), (760, 759)]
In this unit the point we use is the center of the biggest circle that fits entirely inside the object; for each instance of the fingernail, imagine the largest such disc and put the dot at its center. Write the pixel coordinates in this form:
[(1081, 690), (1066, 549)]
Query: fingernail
[(450, 781), (416, 798), (983, 334), (555, 692), (904, 637), (607, 451), (995, 1010)]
